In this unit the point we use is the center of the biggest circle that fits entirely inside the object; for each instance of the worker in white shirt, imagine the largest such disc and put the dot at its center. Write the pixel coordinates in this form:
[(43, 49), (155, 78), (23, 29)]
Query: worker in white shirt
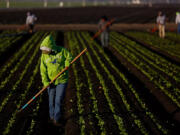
[(30, 21), (178, 21), (161, 24)]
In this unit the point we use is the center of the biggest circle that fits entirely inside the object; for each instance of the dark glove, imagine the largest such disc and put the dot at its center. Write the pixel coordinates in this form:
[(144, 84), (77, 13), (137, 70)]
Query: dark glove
[(52, 85)]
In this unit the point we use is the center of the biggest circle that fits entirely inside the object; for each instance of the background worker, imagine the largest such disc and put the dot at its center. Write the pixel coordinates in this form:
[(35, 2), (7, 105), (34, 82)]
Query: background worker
[(177, 21), (161, 24), (53, 60), (105, 31), (30, 21)]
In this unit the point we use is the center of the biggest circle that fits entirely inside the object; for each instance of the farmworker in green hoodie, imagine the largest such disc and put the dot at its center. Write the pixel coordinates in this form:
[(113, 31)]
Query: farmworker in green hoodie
[(53, 60)]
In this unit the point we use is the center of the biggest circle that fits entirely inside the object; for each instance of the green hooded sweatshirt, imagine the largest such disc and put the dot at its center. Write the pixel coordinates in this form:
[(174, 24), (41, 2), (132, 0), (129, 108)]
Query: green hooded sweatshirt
[(53, 63)]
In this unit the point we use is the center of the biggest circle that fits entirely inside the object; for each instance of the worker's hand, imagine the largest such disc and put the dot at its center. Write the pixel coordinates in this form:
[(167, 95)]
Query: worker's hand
[(66, 67), (52, 85)]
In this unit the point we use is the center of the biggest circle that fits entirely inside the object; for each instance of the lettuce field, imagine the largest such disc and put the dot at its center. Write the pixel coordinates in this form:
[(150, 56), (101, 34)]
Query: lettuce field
[(131, 87)]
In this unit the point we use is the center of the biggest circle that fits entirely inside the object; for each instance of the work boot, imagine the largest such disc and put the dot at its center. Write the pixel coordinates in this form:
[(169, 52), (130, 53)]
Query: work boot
[(51, 120), (57, 124)]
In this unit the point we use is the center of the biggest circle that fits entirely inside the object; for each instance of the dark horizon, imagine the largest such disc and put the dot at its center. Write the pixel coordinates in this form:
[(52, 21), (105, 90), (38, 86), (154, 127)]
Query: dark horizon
[(114, 1)]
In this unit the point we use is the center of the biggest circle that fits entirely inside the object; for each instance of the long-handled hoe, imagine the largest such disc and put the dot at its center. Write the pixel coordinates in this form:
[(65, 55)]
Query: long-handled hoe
[(101, 30), (66, 68)]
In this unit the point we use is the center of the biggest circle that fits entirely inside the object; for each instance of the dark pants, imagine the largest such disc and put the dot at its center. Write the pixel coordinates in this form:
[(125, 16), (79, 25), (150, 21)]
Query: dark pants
[(31, 27), (178, 30)]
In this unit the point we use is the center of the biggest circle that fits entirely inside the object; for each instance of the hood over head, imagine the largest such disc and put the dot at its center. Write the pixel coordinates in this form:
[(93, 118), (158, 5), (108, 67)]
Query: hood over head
[(48, 44)]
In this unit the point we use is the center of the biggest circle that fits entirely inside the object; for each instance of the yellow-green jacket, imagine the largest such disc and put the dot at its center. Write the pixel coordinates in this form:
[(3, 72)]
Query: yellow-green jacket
[(52, 64)]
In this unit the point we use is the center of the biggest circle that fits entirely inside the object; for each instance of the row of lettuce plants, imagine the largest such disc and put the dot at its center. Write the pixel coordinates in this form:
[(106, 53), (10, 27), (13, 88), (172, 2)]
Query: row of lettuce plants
[(155, 68), (4, 38), (8, 42), (6, 67), (119, 120), (130, 87), (19, 103), (137, 120), (34, 123), (31, 128), (73, 44), (145, 69), (166, 45), (154, 59), (79, 84), (22, 97), (15, 86), (173, 36), (20, 60)]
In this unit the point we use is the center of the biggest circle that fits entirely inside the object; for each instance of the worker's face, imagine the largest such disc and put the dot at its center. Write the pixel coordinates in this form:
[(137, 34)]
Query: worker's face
[(159, 13), (28, 14), (46, 52)]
